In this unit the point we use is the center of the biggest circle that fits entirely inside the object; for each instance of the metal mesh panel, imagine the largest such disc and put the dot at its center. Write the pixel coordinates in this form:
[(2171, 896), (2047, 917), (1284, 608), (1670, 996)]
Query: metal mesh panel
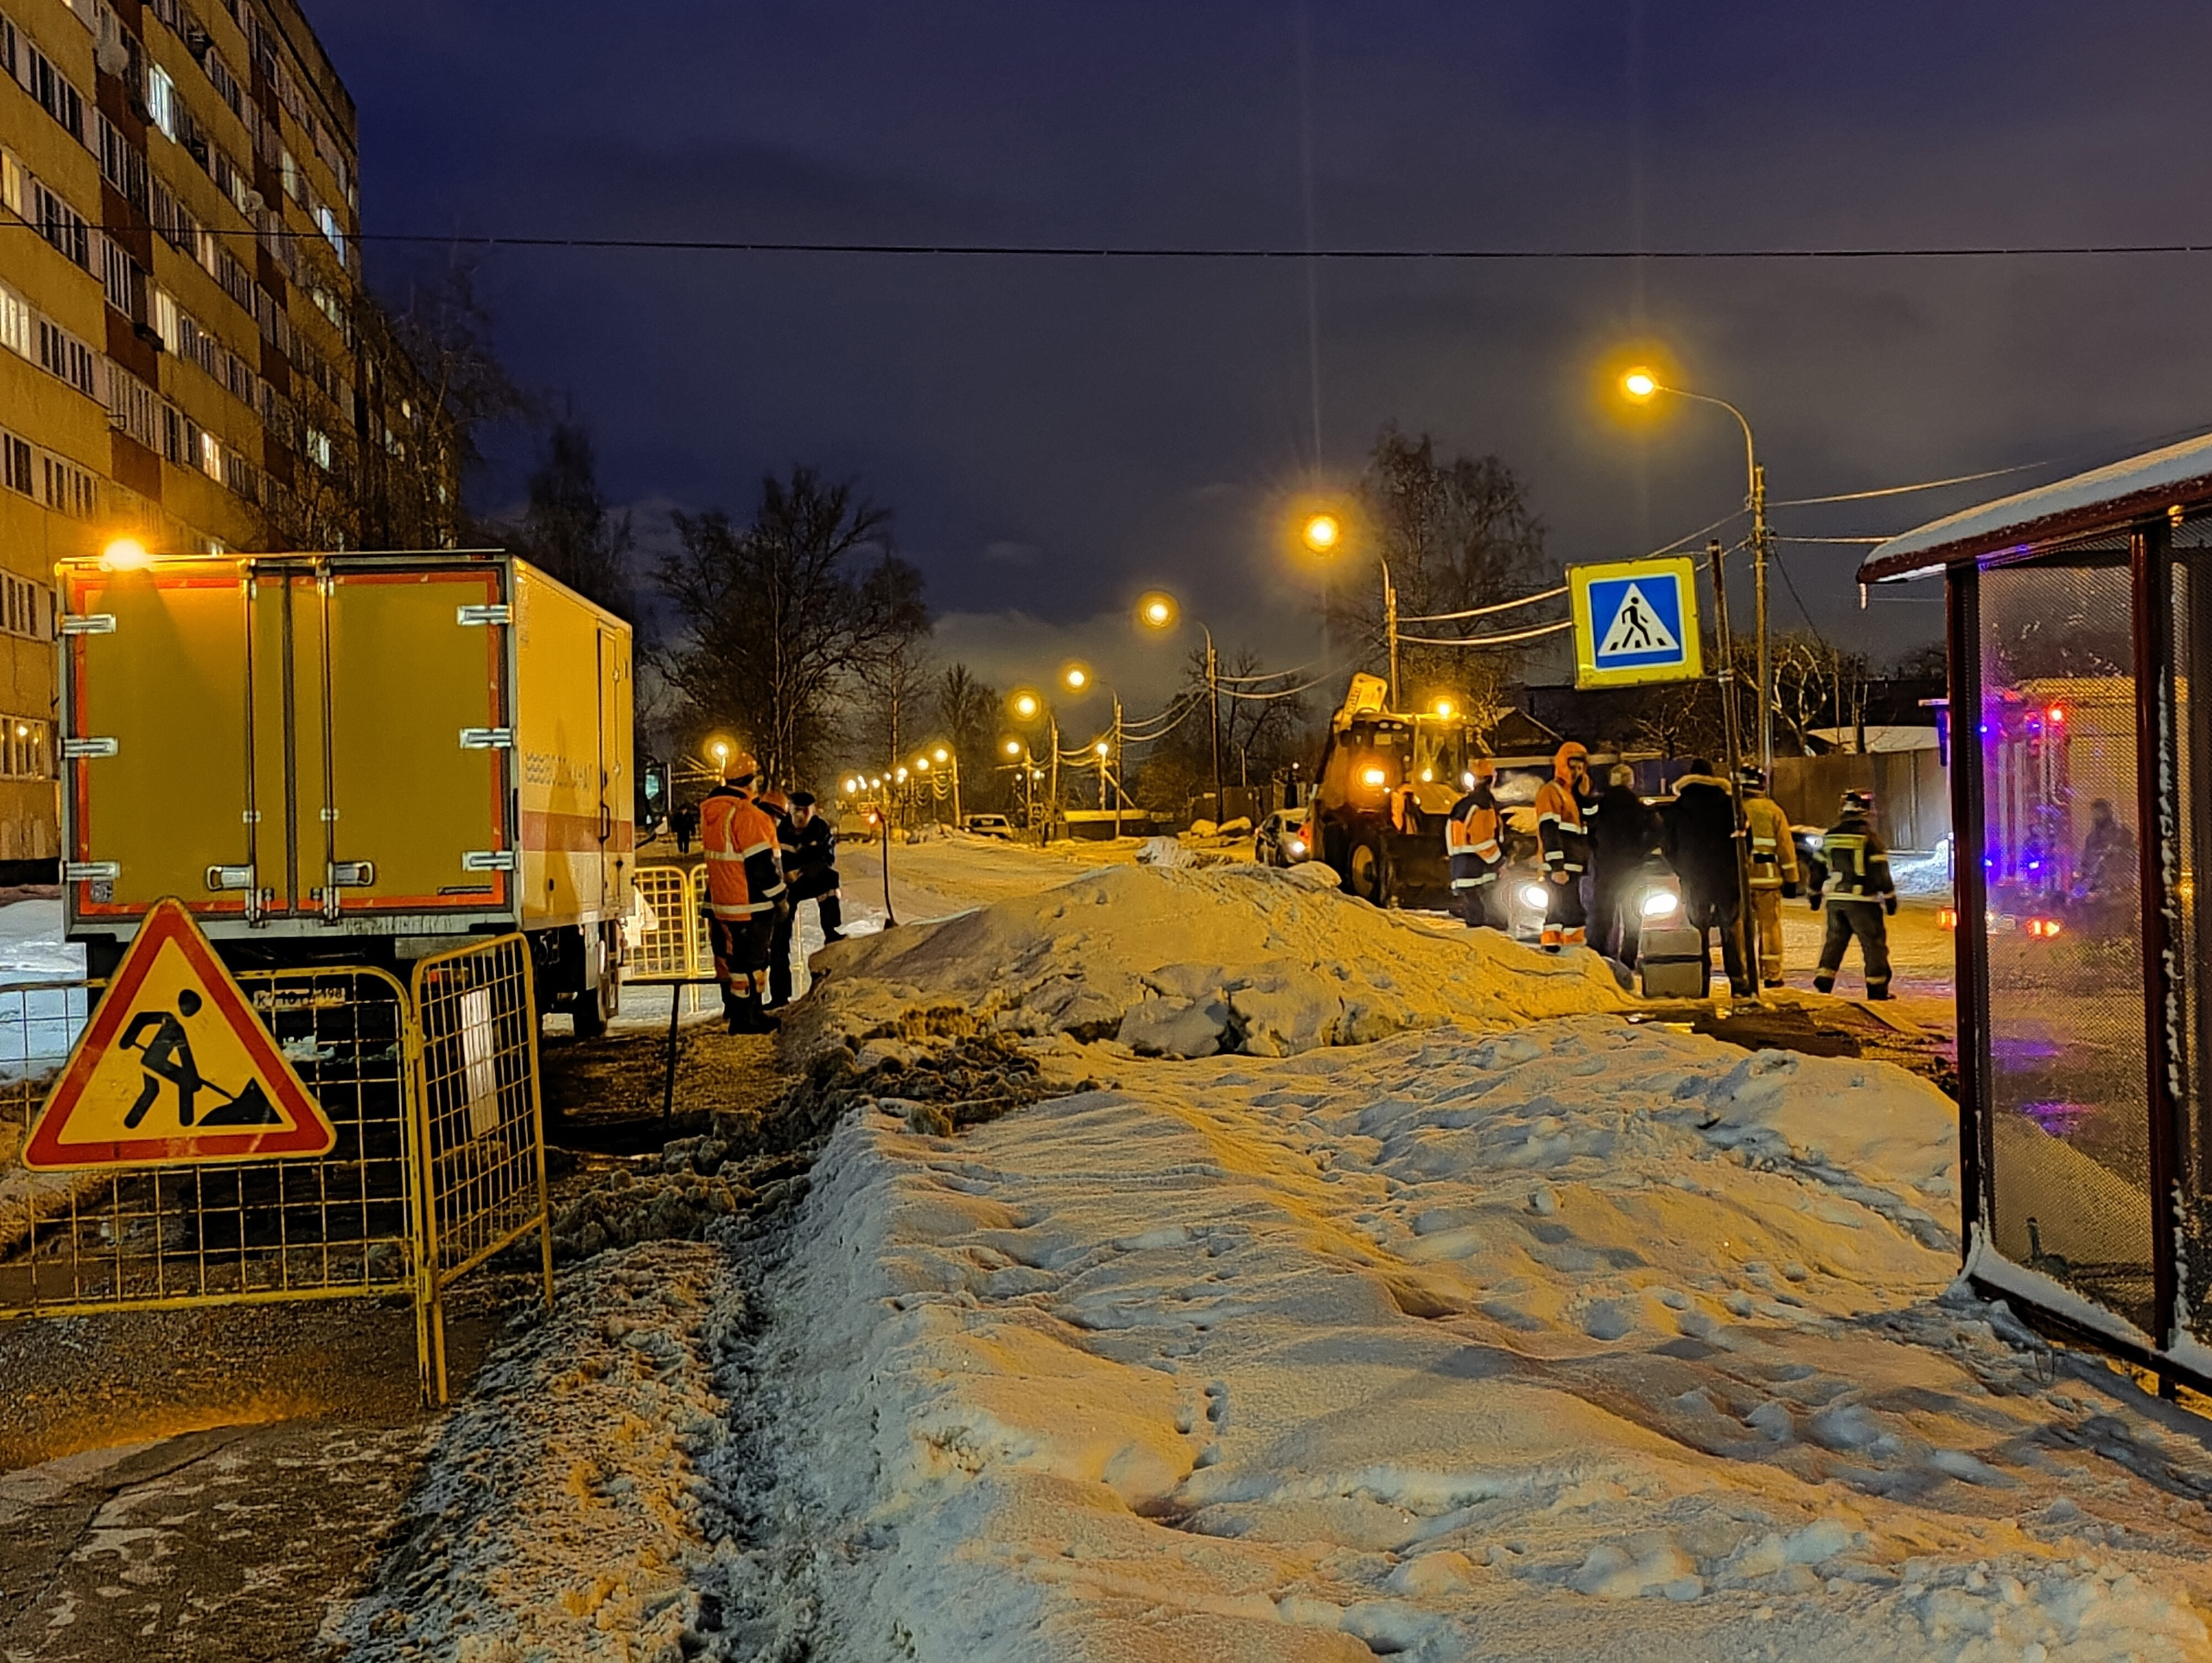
[(338, 1226), (2068, 1135), (484, 1154), (672, 947)]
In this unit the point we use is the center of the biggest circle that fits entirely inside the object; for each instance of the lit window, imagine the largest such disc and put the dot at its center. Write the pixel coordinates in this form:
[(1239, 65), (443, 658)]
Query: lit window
[(211, 455), (161, 99)]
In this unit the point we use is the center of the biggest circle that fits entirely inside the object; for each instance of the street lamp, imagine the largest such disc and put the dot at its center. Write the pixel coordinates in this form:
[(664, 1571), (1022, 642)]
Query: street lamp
[(1323, 533), (1079, 678), (1157, 611), (1029, 705), (1640, 386)]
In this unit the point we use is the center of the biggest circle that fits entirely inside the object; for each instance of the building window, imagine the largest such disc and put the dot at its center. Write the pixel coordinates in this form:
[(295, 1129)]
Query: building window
[(69, 489), (23, 748), (61, 354), (318, 448), (16, 323), (211, 455), (332, 232), (118, 276), (16, 471), (52, 89), (161, 99), (20, 610)]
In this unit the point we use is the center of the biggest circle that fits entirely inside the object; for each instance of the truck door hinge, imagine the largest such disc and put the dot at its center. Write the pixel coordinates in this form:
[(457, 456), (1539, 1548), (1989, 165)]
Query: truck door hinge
[(488, 861), (221, 878), (488, 738), (486, 614), (89, 624), (91, 872), (73, 749)]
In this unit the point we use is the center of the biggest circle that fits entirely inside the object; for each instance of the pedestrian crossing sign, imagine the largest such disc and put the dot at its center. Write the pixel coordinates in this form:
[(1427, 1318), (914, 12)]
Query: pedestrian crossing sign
[(1635, 621), (174, 1067)]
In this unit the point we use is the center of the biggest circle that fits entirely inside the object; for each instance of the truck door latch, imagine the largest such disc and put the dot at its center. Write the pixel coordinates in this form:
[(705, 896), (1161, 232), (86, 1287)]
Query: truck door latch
[(222, 877), (488, 738), (73, 749), (485, 614), (91, 872), (488, 861), (89, 624), (352, 874)]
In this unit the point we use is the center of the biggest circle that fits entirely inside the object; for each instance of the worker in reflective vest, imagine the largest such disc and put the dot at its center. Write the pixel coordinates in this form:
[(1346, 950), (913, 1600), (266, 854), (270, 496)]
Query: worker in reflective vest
[(1564, 837), (1851, 881), (1471, 840), (745, 887), (1775, 873)]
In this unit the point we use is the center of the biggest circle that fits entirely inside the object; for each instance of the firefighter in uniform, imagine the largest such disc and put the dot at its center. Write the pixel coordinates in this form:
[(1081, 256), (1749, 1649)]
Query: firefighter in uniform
[(778, 807), (745, 883), (1564, 837), (1851, 879), (1471, 838), (1775, 873)]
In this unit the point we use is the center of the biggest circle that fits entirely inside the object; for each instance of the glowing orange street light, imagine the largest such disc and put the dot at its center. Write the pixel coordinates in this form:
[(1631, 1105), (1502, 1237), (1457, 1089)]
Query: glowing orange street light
[(1323, 532), (126, 555)]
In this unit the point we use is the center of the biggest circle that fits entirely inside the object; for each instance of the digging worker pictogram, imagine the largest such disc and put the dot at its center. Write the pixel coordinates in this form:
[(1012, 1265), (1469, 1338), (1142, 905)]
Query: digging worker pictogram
[(167, 1058)]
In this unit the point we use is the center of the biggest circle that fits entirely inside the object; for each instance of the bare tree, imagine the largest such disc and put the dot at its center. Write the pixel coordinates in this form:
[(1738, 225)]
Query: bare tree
[(568, 529), (779, 618)]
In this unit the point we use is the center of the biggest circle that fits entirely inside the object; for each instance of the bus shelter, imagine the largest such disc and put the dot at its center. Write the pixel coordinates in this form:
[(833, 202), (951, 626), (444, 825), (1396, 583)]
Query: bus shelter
[(2076, 616)]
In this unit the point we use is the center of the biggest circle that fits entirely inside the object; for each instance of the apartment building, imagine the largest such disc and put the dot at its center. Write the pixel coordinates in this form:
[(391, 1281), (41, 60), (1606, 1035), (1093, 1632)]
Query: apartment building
[(186, 354)]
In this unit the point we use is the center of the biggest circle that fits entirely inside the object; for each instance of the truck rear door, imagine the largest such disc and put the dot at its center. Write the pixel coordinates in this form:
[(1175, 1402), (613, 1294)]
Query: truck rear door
[(156, 745), (412, 801)]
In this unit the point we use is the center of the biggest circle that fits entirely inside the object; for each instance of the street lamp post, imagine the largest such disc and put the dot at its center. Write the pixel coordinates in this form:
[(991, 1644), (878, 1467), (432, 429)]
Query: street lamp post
[(1324, 534), (1640, 385), (1742, 936), (1158, 611), (1029, 706)]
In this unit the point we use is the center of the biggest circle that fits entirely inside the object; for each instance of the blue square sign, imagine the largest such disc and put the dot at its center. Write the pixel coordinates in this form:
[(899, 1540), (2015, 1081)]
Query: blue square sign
[(1636, 621)]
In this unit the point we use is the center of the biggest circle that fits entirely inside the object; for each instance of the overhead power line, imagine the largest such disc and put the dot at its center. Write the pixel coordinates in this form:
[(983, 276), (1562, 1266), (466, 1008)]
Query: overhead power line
[(1484, 611), (1486, 640), (1174, 252)]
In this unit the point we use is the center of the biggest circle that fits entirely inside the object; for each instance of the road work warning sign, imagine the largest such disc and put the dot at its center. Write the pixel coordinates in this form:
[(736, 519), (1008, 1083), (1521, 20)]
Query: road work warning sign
[(1635, 621), (174, 1066)]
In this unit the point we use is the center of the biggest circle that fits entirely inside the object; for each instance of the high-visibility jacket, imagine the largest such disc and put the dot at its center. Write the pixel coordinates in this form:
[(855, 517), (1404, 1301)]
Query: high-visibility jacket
[(1561, 832), (745, 873), (1773, 852), (1852, 865), (1471, 838)]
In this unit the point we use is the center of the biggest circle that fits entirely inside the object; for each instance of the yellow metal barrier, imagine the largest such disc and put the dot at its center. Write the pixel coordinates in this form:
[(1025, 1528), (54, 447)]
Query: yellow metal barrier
[(672, 948), (340, 1226), (439, 1164), (482, 1128)]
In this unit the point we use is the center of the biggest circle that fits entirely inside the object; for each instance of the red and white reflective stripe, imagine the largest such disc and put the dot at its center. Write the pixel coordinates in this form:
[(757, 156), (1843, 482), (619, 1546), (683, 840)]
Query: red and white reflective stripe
[(750, 850), (729, 910)]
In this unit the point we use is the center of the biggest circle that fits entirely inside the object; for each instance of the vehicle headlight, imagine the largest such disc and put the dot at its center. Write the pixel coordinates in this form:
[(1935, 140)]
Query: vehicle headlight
[(1658, 904), (1532, 896), (1296, 845), (1375, 776)]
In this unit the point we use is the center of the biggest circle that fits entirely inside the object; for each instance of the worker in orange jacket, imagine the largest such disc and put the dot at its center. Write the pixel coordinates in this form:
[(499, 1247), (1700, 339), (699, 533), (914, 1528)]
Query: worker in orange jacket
[(1563, 836), (1472, 838), (745, 888)]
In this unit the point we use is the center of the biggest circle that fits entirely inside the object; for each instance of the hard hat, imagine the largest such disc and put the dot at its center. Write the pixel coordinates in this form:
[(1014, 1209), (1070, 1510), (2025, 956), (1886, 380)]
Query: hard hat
[(1484, 767), (741, 766), (774, 798), (1751, 776), (1859, 801)]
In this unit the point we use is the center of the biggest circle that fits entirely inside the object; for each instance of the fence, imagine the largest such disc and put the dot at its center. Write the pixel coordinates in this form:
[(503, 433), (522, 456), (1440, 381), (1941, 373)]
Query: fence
[(482, 1125), (1912, 804), (429, 1175)]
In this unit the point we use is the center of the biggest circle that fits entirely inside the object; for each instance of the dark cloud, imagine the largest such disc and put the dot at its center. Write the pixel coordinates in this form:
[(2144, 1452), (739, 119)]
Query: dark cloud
[(1141, 424)]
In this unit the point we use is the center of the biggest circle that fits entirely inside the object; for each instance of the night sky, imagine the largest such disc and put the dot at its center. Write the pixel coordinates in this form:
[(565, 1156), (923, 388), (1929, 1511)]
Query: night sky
[(1053, 437)]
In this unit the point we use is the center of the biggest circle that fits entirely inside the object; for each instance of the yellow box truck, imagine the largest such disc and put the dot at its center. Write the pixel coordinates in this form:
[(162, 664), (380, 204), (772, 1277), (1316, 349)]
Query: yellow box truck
[(349, 756)]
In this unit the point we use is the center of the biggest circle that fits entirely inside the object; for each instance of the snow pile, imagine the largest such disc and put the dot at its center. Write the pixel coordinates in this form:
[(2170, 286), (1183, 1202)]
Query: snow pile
[(1455, 1345), (1183, 962)]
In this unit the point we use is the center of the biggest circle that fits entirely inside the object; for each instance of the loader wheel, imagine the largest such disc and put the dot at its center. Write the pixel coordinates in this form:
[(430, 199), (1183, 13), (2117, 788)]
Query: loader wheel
[(1367, 868)]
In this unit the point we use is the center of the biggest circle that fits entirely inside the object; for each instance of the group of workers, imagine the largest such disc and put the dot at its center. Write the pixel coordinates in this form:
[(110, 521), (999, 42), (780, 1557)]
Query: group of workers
[(766, 853), (1597, 848)]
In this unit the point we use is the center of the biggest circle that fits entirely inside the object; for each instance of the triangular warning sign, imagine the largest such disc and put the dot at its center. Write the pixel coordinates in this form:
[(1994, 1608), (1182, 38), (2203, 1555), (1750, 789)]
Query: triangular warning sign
[(174, 1066), (1637, 627)]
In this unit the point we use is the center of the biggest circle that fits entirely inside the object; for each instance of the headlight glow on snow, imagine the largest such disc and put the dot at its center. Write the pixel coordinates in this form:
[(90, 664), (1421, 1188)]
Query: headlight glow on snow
[(1532, 895), (1658, 904)]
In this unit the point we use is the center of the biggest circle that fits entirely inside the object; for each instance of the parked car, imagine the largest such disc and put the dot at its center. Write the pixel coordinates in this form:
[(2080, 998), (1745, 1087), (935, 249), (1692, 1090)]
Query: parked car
[(1280, 839), (988, 825)]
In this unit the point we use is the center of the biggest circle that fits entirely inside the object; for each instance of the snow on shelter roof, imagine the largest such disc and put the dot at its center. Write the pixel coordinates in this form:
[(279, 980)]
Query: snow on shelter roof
[(2103, 499)]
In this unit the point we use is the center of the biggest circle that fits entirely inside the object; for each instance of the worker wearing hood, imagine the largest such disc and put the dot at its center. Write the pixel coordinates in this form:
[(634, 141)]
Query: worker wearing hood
[(1563, 836)]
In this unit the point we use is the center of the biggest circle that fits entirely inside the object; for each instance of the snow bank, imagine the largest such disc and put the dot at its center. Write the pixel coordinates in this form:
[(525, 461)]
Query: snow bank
[(1585, 1340), (1185, 962)]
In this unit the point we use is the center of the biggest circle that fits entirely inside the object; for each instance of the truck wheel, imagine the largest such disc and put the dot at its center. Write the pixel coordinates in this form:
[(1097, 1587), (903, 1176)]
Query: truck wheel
[(597, 1006), (1367, 868)]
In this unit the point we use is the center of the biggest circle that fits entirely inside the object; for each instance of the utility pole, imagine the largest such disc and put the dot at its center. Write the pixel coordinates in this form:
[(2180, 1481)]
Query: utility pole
[(958, 820), (1052, 809), (1744, 939), (1213, 702), (1761, 548), (1391, 630), (1117, 766)]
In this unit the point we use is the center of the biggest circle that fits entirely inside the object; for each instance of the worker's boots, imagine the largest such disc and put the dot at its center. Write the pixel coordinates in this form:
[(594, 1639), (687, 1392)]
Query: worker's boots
[(833, 917), (746, 1015)]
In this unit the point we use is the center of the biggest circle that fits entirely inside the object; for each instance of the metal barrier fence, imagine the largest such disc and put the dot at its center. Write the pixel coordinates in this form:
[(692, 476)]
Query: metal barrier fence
[(340, 1226), (676, 945), (482, 1126), (439, 1162)]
